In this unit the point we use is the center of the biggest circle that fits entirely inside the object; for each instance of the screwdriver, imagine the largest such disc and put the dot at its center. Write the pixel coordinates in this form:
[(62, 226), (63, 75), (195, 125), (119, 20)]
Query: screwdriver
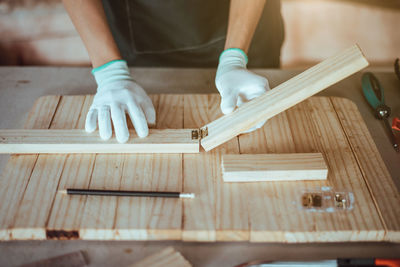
[(374, 93)]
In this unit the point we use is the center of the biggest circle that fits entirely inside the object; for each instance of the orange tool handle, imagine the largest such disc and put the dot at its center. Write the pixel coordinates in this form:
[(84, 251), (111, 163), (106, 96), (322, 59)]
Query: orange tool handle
[(396, 124), (387, 262)]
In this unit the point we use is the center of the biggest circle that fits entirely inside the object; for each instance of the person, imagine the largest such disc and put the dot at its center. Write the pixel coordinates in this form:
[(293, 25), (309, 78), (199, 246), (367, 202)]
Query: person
[(175, 33)]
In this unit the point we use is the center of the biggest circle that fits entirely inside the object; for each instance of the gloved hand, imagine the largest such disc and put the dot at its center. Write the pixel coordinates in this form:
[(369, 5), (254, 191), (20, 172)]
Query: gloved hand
[(117, 93), (235, 83)]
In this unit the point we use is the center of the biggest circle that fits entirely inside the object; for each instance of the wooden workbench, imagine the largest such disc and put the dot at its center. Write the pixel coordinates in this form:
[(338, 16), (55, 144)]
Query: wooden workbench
[(32, 208), (206, 77)]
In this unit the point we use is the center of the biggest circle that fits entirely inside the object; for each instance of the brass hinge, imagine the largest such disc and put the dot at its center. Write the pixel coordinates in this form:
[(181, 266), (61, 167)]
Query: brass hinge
[(199, 133)]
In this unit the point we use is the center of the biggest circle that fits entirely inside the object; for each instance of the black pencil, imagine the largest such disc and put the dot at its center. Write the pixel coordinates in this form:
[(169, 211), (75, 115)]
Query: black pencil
[(71, 191)]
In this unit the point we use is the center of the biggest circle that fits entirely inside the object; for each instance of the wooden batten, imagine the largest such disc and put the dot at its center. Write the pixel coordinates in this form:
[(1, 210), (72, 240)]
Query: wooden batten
[(284, 96), (273, 167), (78, 141)]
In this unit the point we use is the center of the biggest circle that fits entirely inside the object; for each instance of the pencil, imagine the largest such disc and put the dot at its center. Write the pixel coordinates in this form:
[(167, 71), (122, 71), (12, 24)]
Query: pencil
[(95, 192)]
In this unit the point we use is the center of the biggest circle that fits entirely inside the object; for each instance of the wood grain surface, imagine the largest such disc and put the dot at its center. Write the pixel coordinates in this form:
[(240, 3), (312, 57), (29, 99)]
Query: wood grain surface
[(380, 184), (15, 141), (31, 208), (273, 167), (284, 96)]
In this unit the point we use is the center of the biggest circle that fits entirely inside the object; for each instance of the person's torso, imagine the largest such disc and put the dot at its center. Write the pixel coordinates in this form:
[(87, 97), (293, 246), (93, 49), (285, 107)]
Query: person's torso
[(176, 32)]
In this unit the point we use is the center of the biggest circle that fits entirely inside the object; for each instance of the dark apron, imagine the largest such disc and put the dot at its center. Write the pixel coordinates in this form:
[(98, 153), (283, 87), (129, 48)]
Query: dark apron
[(187, 33)]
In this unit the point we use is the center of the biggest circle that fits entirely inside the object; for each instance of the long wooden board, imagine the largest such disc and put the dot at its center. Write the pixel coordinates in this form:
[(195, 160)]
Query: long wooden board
[(284, 96), (78, 141), (31, 208), (274, 167)]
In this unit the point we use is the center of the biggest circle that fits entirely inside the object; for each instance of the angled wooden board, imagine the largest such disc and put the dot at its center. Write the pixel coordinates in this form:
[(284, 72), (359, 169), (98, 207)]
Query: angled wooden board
[(284, 96)]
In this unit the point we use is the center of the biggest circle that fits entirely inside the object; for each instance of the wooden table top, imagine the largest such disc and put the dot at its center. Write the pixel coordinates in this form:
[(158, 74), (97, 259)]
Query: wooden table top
[(32, 208), (21, 86)]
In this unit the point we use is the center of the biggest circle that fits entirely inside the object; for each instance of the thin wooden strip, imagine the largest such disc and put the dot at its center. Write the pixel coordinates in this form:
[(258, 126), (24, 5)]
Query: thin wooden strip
[(363, 222), (284, 96), (78, 141), (274, 167), (375, 173), (33, 210), (16, 173), (153, 218), (230, 200), (66, 214), (198, 177), (167, 257)]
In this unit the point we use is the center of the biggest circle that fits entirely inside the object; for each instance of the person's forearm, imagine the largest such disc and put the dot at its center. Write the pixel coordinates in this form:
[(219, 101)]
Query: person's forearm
[(90, 21), (243, 19)]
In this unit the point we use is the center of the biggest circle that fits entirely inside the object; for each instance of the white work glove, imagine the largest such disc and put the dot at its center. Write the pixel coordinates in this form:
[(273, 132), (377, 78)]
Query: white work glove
[(236, 84), (117, 93)]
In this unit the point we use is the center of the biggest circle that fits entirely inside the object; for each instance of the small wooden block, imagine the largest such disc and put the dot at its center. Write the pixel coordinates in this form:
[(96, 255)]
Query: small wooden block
[(274, 167), (167, 257), (78, 141)]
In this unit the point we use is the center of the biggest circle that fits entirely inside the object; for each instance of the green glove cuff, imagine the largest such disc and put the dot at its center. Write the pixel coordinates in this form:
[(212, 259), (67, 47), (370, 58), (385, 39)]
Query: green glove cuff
[(106, 65), (115, 70), (235, 49)]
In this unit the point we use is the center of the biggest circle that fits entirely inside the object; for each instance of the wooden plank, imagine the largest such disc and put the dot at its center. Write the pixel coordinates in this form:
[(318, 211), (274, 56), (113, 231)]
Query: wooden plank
[(99, 212), (377, 177), (274, 167), (230, 200), (78, 141), (42, 113), (33, 210), (284, 96), (153, 218), (273, 211), (362, 223), (308, 127), (66, 214), (167, 257), (218, 212), (198, 178), (17, 172)]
